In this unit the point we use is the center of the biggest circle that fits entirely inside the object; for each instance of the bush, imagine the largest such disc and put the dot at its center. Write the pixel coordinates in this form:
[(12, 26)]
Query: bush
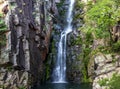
[(113, 83), (116, 46), (3, 28)]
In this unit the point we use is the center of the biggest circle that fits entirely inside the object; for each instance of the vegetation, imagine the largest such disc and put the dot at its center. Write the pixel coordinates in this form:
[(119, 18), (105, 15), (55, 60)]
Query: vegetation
[(3, 28), (99, 18), (22, 87), (112, 83)]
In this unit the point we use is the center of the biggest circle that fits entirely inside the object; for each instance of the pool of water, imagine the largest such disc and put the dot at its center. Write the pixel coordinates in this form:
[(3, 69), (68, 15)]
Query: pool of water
[(64, 86)]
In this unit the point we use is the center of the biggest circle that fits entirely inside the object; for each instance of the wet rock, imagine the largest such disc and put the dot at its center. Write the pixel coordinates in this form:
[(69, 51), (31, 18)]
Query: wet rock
[(74, 63)]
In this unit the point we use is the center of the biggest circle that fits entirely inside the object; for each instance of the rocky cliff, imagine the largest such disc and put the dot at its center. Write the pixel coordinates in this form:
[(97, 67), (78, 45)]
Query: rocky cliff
[(99, 54), (33, 33), (30, 23)]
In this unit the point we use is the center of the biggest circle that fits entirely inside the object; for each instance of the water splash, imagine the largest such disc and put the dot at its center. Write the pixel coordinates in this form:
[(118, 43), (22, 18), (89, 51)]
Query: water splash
[(59, 72)]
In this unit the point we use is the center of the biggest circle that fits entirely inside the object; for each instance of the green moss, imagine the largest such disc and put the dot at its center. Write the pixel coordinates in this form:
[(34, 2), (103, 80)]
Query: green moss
[(85, 77), (79, 4), (85, 56), (53, 47), (59, 5), (116, 46), (114, 82), (2, 39), (2, 86), (75, 41), (3, 28), (9, 68), (2, 24), (61, 11), (50, 60), (48, 70), (22, 87), (79, 8), (103, 82), (78, 41), (98, 18)]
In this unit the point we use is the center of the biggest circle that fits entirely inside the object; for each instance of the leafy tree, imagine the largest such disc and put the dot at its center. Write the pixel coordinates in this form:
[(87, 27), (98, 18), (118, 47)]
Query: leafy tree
[(101, 17)]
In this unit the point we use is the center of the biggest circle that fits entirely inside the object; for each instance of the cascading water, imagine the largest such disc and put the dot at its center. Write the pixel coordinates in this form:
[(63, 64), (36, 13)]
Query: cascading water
[(59, 72)]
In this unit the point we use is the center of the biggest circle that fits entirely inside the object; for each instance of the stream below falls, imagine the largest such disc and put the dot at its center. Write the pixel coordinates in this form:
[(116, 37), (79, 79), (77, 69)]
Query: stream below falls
[(64, 86)]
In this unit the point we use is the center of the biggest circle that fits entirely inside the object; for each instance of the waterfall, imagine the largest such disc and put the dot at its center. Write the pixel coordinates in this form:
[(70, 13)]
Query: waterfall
[(59, 72)]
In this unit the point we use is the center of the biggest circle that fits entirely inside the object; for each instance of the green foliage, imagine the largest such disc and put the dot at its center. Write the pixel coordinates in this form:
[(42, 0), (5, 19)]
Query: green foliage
[(85, 54), (60, 9), (2, 86), (78, 41), (59, 5), (112, 83), (116, 46), (48, 70), (48, 62), (103, 82), (86, 57), (2, 24), (99, 18), (9, 68), (53, 47), (22, 87), (102, 14), (75, 41), (85, 77), (2, 39), (3, 28), (79, 4), (79, 13)]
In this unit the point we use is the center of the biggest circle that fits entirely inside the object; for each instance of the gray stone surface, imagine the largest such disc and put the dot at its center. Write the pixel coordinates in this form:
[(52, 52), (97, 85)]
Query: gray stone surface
[(26, 54), (106, 67)]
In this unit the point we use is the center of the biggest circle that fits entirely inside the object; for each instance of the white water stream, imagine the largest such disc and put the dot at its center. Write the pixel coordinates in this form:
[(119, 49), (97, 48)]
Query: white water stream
[(59, 72)]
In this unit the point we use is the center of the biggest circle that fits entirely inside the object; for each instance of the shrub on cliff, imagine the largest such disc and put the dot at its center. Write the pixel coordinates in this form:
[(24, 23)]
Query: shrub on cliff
[(112, 83), (3, 28)]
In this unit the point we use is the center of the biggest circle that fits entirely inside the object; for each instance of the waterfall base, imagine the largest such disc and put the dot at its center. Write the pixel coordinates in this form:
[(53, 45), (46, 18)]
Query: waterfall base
[(64, 86), (59, 82)]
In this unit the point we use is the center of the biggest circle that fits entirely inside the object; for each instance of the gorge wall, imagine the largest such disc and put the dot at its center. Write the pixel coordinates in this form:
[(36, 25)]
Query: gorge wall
[(30, 23), (100, 55), (33, 34)]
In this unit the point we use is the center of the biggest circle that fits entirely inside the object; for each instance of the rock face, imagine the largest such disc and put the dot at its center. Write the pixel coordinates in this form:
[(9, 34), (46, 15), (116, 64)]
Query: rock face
[(10, 79), (104, 67), (74, 63), (30, 25), (100, 64), (74, 48)]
